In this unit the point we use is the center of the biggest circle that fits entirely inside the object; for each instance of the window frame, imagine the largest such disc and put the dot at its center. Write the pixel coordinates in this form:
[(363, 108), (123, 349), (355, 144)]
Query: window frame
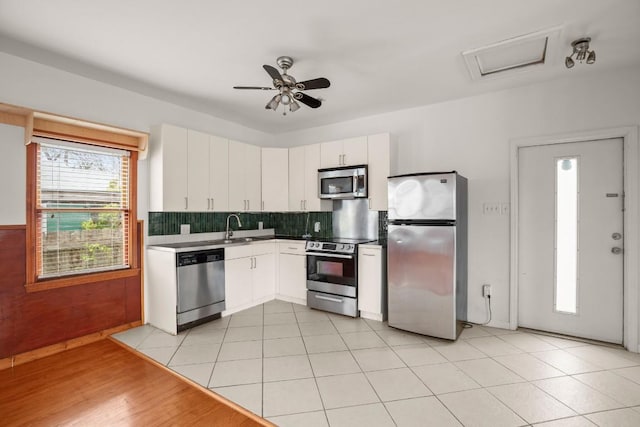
[(33, 283)]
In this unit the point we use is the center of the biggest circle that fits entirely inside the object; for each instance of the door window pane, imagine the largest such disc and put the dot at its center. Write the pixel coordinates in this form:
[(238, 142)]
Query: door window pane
[(566, 244)]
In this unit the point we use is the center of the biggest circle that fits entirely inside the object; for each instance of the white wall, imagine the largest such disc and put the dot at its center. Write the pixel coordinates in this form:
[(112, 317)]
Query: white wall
[(13, 175), (472, 135)]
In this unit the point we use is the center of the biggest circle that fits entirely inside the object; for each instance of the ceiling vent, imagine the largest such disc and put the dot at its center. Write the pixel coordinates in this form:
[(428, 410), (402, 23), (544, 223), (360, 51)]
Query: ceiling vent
[(511, 56)]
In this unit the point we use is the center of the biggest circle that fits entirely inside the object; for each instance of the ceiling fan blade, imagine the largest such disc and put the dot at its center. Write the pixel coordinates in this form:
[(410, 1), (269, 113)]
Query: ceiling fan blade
[(275, 74), (319, 83), (308, 100), (254, 87)]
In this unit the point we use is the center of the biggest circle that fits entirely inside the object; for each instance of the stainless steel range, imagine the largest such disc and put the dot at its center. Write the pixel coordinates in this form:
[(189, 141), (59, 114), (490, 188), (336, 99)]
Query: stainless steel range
[(332, 275)]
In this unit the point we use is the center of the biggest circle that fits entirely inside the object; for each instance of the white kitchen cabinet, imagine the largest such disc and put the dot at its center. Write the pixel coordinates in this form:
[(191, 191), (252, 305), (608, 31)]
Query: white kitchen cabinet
[(275, 179), (197, 171), (372, 282), (168, 169), (292, 272), (345, 152), (244, 177), (249, 275), (304, 162), (378, 170), (218, 174), (188, 171)]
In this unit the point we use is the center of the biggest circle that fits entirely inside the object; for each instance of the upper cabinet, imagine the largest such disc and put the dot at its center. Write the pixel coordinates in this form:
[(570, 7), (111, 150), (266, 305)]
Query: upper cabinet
[(188, 171), (346, 152), (275, 179), (378, 170), (304, 162), (168, 170), (244, 177)]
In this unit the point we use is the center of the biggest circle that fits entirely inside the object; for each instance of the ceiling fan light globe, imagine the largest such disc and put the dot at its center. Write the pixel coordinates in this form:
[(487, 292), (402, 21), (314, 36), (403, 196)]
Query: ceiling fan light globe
[(591, 58), (285, 99), (273, 104), (294, 106), (568, 62)]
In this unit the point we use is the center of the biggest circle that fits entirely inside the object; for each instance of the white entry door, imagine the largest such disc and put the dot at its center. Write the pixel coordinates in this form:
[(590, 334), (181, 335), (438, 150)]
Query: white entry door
[(570, 239)]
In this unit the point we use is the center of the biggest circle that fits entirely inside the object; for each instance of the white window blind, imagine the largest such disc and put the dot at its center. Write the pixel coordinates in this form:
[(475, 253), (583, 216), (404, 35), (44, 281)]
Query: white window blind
[(83, 208)]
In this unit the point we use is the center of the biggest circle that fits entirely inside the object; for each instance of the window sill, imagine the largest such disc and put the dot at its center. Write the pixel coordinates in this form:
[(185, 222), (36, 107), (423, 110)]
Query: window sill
[(84, 279)]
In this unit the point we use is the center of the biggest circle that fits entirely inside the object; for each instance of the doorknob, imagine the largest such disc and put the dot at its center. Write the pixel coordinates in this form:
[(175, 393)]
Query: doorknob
[(616, 236), (616, 250)]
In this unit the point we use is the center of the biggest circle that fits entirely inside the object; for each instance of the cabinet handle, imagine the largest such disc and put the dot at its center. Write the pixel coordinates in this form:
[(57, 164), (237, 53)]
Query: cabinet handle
[(305, 205), (208, 204), (366, 254), (293, 249), (248, 204), (344, 160), (263, 205), (186, 203), (213, 203), (328, 298), (301, 208)]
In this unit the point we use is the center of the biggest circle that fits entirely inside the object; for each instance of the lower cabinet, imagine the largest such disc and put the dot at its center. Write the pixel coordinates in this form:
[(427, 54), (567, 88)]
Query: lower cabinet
[(292, 269), (372, 278), (249, 275)]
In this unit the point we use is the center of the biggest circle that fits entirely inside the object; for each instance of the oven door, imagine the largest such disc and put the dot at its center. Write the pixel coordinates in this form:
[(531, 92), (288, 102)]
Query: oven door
[(332, 273)]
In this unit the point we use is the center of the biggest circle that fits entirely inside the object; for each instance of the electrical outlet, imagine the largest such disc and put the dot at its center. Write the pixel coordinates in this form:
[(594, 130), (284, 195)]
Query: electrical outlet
[(185, 228), (491, 208), (486, 291), (316, 227), (260, 225)]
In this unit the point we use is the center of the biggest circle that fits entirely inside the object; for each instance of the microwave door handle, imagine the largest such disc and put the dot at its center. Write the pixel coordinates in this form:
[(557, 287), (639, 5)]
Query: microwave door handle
[(329, 255), (355, 184)]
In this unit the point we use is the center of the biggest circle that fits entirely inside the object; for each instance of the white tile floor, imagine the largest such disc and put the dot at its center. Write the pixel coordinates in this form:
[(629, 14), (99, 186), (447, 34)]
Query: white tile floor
[(296, 366)]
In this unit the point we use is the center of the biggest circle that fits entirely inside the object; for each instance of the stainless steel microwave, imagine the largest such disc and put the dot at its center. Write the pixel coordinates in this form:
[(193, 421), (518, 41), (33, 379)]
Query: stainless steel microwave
[(348, 182)]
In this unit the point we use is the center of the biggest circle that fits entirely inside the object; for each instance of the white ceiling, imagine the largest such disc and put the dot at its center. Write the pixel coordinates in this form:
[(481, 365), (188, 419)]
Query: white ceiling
[(379, 55)]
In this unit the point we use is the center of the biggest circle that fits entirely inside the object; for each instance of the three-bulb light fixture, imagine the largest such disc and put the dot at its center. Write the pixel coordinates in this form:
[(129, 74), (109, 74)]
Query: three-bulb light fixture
[(286, 98), (581, 51)]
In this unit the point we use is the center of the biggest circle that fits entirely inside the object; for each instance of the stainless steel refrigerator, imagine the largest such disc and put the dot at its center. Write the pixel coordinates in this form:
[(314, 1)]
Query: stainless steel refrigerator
[(427, 253)]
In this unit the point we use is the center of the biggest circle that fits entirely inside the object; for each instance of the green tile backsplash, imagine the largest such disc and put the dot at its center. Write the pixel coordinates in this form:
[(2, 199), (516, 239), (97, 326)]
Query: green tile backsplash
[(284, 223)]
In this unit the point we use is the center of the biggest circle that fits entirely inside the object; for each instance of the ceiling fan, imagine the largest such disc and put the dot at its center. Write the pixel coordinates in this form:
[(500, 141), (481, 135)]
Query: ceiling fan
[(288, 89)]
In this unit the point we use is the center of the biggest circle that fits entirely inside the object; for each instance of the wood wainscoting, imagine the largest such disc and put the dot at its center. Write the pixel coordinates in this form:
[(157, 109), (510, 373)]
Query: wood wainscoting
[(104, 384), (56, 317)]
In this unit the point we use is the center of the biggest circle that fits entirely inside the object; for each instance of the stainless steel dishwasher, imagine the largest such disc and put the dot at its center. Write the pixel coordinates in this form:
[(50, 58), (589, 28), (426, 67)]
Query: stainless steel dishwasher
[(200, 286)]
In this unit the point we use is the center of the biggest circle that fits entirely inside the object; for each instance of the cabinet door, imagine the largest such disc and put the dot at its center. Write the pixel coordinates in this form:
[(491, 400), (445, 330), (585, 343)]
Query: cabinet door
[(311, 165), (293, 276), (264, 276), (219, 174), (331, 154), (275, 179), (354, 151), (174, 168), (370, 280), (252, 178), (378, 161), (237, 164), (197, 171), (297, 177), (238, 279)]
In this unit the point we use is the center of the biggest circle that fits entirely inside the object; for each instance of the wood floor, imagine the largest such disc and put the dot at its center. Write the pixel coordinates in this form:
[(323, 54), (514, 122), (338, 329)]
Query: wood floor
[(105, 384)]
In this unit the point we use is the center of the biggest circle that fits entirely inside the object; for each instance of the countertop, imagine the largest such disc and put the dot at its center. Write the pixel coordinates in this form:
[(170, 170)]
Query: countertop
[(216, 244)]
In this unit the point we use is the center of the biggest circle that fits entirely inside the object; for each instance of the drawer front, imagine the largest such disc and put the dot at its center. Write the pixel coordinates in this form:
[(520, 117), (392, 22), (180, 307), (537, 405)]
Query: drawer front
[(293, 248), (234, 252), (263, 248)]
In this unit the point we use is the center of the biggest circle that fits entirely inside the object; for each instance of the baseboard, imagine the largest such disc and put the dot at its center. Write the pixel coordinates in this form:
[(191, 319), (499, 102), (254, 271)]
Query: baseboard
[(371, 316), (291, 299), (39, 353), (500, 325)]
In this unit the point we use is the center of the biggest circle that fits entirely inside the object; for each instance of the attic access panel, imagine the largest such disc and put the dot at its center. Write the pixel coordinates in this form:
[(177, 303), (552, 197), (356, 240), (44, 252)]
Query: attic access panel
[(512, 55)]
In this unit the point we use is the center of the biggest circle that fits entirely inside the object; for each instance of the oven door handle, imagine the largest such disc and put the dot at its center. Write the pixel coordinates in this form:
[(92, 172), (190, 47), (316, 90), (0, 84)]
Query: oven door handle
[(329, 255), (328, 298)]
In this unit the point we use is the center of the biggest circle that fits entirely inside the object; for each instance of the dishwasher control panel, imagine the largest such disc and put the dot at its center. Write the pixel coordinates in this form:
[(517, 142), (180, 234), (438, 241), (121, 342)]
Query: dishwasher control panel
[(199, 257)]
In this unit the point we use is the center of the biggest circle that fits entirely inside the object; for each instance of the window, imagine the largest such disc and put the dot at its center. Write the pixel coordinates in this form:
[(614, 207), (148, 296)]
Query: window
[(82, 208), (566, 250)]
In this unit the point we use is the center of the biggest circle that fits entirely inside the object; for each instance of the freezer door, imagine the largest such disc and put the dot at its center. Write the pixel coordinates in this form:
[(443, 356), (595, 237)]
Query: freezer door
[(418, 197), (421, 279)]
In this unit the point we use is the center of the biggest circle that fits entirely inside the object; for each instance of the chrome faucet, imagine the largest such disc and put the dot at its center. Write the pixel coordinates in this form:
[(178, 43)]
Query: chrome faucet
[(229, 233)]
